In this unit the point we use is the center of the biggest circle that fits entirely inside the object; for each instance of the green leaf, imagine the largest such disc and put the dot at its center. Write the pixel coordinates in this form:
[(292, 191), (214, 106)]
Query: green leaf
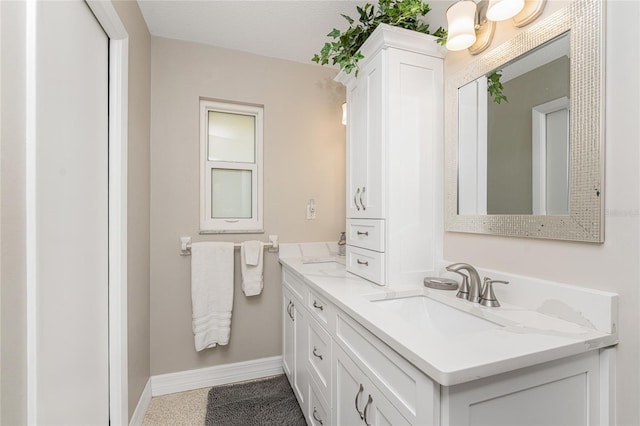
[(335, 33), (348, 18), (345, 50), (495, 87)]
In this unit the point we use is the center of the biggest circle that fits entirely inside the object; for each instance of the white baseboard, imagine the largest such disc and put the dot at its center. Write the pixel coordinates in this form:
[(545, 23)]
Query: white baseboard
[(142, 407), (163, 384)]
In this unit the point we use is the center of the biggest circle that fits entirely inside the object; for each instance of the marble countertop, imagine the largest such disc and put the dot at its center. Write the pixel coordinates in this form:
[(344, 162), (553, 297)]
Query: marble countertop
[(523, 337)]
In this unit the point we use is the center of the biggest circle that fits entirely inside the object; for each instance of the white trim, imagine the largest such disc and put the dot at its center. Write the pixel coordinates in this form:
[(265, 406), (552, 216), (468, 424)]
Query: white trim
[(539, 151), (483, 147), (110, 21), (143, 405), (608, 386), (218, 375), (30, 184), (472, 147)]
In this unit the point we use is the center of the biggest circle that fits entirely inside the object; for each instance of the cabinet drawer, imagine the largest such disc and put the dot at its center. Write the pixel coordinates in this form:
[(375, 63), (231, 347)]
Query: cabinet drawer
[(295, 284), (367, 264), (319, 358), (319, 413), (407, 388), (366, 233), (320, 309)]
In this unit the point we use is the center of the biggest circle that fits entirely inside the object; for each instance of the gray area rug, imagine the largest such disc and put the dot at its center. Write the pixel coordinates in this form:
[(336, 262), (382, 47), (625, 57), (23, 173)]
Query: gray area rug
[(259, 403)]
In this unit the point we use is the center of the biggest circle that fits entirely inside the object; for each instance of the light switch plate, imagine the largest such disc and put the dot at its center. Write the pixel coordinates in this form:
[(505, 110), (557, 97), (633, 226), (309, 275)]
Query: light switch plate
[(311, 209)]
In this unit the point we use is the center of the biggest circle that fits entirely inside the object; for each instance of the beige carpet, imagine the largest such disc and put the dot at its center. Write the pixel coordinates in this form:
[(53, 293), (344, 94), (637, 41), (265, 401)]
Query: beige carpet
[(180, 409)]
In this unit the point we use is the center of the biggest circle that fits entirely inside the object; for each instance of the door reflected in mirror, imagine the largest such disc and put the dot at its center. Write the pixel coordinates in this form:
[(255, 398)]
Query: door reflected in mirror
[(514, 156)]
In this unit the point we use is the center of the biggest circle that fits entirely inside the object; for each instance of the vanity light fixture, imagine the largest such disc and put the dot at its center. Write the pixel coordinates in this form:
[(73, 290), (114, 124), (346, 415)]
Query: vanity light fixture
[(471, 25), (501, 10), (462, 25)]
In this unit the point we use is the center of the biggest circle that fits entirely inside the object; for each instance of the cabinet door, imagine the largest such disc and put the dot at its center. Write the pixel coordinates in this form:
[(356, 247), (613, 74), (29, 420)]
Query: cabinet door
[(349, 394), (288, 335), (381, 412), (414, 143), (300, 375), (562, 392), (365, 152), (356, 400)]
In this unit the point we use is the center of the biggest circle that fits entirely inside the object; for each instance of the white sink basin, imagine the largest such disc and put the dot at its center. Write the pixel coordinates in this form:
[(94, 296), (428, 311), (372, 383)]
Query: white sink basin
[(321, 265), (440, 319)]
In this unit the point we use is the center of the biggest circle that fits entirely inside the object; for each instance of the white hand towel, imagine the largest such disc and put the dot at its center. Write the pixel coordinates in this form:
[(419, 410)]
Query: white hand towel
[(211, 293), (251, 265)]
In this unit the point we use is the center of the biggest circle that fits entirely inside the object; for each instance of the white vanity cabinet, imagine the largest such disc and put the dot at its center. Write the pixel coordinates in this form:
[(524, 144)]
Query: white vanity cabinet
[(343, 374), (294, 339), (394, 132)]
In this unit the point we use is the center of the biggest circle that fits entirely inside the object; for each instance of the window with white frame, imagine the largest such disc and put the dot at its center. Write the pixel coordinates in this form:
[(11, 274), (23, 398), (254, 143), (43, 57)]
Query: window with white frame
[(230, 167)]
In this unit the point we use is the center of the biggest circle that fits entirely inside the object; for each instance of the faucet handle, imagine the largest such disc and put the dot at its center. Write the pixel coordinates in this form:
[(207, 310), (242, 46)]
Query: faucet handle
[(463, 291), (488, 297)]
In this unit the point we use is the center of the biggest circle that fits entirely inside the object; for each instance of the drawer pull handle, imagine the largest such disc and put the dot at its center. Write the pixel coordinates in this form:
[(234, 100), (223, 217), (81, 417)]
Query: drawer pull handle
[(357, 396), (316, 417), (355, 199), (290, 310), (361, 202), (366, 233), (316, 354), (315, 305), (360, 262), (366, 407)]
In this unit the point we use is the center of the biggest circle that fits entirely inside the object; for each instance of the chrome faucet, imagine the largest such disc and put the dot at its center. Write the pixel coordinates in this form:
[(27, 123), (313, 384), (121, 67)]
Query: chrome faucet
[(473, 289)]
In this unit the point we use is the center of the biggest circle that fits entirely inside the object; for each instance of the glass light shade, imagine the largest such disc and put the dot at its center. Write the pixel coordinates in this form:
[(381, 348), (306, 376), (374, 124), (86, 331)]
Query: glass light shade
[(499, 10), (461, 25)]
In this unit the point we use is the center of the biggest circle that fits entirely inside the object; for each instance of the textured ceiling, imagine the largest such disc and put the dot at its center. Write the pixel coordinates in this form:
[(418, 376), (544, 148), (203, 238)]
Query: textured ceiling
[(292, 30)]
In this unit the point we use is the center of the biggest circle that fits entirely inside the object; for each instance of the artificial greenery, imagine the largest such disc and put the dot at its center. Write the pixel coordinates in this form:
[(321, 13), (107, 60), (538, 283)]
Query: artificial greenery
[(495, 87), (344, 50)]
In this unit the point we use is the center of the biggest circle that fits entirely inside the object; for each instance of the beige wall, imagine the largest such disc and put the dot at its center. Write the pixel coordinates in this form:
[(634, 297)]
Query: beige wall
[(304, 157), (614, 265), (13, 317), (138, 200)]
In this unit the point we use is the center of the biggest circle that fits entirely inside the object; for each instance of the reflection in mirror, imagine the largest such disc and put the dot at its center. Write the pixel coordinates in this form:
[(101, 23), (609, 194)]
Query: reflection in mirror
[(488, 180), (513, 156)]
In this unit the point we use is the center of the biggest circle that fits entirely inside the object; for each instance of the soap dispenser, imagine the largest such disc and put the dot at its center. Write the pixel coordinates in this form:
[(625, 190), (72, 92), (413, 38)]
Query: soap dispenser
[(342, 244)]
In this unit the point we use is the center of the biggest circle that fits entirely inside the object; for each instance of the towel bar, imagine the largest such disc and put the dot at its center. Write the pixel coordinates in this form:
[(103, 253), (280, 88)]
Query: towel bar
[(185, 245)]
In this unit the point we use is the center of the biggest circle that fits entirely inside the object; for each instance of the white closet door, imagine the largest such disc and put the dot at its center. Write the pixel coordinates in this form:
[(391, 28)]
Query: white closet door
[(71, 188)]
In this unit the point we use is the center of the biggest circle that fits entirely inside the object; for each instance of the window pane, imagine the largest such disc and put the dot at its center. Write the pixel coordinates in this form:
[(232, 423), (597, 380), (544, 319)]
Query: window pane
[(230, 194), (231, 137)]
